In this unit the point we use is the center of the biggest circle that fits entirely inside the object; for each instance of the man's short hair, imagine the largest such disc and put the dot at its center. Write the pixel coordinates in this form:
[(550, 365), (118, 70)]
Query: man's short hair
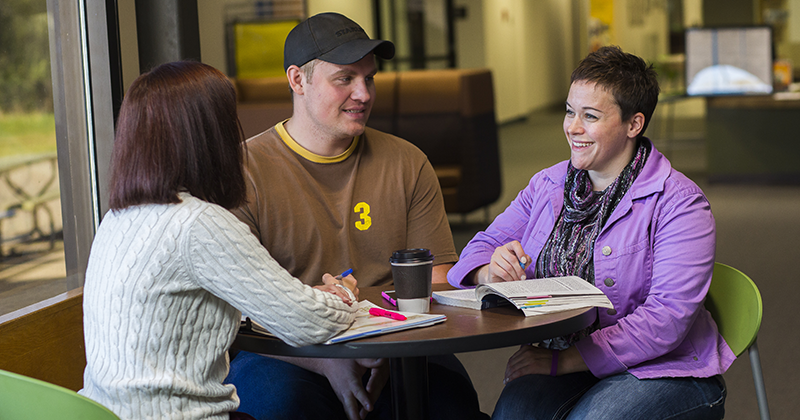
[(632, 83), (308, 69)]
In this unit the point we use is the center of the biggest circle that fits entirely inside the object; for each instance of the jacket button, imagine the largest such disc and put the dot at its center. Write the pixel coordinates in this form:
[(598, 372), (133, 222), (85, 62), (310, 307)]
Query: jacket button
[(612, 311), (609, 282), (606, 250), (695, 358)]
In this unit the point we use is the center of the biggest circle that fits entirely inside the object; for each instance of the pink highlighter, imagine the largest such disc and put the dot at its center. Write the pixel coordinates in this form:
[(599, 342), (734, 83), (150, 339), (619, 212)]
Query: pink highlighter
[(387, 314)]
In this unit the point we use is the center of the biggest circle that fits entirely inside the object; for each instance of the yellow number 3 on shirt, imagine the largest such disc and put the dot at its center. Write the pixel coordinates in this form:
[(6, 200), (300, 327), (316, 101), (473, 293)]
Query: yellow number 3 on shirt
[(365, 221)]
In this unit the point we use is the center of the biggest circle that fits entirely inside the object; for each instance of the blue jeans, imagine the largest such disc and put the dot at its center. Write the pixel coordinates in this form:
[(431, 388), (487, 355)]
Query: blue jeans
[(622, 396), (271, 389)]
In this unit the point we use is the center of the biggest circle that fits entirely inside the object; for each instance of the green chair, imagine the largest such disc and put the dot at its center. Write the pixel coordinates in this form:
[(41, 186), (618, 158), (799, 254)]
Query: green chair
[(22, 397), (735, 303)]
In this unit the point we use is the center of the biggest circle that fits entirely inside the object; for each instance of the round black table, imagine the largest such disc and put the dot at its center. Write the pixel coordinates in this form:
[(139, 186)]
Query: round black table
[(464, 330)]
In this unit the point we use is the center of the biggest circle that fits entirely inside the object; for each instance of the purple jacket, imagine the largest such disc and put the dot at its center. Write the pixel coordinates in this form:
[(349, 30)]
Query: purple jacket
[(653, 259)]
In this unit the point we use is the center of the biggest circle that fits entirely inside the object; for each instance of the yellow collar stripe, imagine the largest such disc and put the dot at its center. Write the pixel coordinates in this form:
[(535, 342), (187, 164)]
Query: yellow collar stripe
[(313, 157)]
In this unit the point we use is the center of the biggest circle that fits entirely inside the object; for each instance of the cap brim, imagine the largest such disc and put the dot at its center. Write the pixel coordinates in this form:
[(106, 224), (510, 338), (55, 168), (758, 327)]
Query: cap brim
[(357, 49)]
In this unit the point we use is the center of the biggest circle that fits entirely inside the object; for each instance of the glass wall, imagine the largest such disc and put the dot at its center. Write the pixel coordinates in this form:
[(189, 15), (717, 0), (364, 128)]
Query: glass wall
[(422, 32), (56, 133), (31, 233)]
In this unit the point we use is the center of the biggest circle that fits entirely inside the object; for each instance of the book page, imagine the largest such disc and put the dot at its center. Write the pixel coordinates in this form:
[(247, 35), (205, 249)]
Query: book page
[(554, 286), (539, 296), (459, 294), (464, 298)]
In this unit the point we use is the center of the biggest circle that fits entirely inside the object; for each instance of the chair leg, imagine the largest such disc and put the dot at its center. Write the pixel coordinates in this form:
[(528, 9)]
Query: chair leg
[(758, 379)]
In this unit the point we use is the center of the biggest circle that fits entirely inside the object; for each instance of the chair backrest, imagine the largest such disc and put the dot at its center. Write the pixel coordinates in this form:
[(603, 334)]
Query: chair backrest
[(22, 397), (735, 304)]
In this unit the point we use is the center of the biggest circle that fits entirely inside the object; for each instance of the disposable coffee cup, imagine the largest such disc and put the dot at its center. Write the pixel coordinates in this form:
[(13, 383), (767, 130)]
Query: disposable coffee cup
[(412, 270)]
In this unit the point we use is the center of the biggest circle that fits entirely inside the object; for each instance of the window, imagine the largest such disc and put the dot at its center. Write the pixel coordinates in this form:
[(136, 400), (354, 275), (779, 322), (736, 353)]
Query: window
[(51, 153), (31, 247)]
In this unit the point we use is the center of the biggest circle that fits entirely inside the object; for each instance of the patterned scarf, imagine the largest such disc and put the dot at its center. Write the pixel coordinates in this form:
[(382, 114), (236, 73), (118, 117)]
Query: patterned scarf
[(569, 249)]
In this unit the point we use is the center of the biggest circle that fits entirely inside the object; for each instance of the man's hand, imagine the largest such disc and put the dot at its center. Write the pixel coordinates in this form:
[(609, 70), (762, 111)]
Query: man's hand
[(345, 376), (377, 380)]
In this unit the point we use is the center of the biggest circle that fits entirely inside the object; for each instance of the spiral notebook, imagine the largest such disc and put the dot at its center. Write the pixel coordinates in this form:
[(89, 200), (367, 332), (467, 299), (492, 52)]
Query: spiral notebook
[(365, 325)]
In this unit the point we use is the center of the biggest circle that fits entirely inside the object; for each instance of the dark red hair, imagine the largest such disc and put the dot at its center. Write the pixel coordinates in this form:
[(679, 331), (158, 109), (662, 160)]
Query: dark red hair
[(178, 131)]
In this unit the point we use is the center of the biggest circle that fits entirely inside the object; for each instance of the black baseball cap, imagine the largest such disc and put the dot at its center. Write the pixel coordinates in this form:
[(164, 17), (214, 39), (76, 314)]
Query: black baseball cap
[(333, 38)]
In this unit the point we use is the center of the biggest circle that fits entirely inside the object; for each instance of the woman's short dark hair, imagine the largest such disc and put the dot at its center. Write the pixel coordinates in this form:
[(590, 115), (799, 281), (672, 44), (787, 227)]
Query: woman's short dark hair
[(632, 83), (178, 131)]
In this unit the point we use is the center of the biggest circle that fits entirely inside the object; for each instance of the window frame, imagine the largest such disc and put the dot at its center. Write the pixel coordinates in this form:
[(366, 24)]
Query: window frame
[(83, 99)]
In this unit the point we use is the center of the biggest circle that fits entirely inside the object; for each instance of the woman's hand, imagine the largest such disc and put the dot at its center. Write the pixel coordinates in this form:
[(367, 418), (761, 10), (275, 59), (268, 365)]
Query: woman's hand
[(508, 264), (340, 288), (351, 283), (532, 360)]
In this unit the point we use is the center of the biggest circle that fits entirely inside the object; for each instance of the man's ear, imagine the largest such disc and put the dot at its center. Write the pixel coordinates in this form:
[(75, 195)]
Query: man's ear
[(297, 79), (636, 125)]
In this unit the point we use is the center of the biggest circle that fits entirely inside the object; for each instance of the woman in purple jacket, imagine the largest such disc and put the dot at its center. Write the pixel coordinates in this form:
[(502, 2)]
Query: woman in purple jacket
[(618, 215)]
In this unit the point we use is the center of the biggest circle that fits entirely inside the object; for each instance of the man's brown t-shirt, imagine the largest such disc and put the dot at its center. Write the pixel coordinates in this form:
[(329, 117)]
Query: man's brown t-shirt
[(320, 214)]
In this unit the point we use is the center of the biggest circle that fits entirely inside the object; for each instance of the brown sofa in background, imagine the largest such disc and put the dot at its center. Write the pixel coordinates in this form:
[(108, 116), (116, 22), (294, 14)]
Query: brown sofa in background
[(448, 114), (262, 103)]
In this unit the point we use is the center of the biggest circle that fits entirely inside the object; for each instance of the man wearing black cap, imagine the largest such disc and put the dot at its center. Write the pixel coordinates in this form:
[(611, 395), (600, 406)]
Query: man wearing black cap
[(326, 193)]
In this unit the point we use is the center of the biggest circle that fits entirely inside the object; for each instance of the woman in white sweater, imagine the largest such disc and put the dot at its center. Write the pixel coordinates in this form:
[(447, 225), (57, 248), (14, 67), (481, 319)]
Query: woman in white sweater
[(171, 269)]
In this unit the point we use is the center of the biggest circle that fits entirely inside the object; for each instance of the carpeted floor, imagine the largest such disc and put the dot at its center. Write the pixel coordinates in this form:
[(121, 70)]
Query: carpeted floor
[(757, 232)]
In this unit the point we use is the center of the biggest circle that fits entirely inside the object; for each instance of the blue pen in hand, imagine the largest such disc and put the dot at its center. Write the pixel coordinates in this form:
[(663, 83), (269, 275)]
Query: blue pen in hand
[(342, 286), (522, 262), (346, 273)]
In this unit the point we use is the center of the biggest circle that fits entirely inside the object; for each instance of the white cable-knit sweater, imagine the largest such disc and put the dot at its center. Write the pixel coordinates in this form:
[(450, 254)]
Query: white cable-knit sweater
[(164, 289)]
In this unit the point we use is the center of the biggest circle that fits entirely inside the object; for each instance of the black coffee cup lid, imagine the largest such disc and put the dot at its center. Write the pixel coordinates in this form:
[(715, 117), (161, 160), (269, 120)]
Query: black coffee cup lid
[(412, 255)]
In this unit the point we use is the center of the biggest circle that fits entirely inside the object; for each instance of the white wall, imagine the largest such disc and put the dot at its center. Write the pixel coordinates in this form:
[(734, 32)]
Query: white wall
[(504, 38), (692, 13), (211, 20), (793, 34), (129, 46), (357, 10), (642, 30), (529, 49), (548, 55), (470, 43)]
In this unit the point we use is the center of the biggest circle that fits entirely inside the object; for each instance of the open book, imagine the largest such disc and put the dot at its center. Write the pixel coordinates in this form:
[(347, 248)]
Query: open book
[(533, 297), (365, 325)]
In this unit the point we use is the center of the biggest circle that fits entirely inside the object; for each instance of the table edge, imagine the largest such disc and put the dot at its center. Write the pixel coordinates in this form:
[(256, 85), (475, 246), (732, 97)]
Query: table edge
[(261, 344)]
